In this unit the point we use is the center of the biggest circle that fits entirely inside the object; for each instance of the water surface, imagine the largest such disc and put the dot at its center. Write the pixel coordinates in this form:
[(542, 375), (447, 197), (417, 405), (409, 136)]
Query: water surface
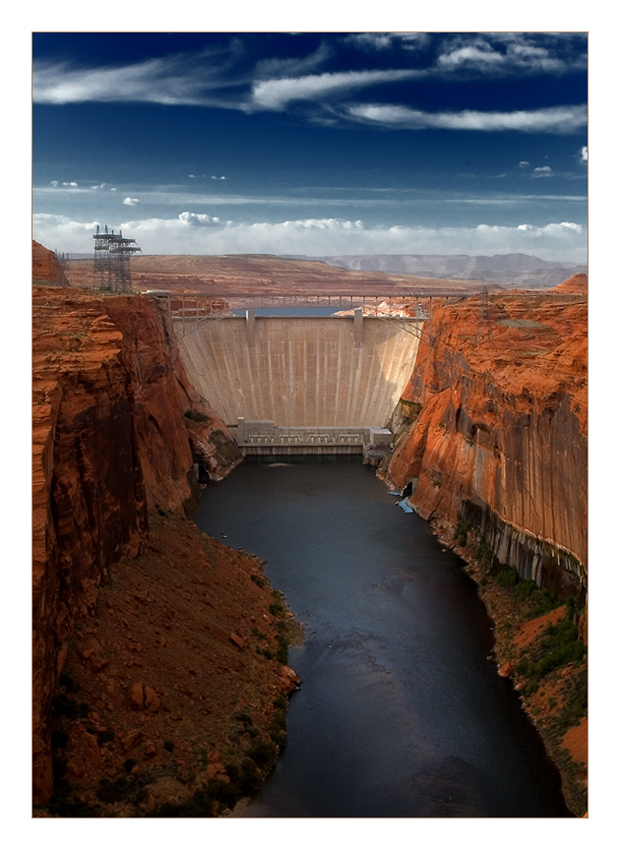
[(401, 713)]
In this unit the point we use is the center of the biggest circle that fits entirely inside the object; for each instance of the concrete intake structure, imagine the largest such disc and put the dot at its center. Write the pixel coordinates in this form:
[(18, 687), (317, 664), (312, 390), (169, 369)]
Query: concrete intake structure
[(302, 372)]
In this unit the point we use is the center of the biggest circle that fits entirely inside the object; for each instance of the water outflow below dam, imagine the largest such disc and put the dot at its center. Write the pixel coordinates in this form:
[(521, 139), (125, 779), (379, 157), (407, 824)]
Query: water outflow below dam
[(401, 712)]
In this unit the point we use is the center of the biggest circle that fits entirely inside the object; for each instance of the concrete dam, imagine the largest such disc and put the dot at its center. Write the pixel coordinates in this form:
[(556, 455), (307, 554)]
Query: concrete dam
[(303, 384)]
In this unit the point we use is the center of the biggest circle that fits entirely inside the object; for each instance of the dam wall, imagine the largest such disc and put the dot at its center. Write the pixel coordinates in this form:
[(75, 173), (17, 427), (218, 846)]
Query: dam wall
[(336, 371)]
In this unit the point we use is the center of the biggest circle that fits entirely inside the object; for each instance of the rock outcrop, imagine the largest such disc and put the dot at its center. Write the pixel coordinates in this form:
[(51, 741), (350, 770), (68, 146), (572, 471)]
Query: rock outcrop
[(113, 443), (494, 430), (46, 269), (492, 450)]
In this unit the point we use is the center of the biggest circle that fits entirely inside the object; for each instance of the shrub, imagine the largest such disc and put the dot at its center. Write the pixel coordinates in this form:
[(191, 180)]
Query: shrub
[(68, 683), (195, 416), (113, 790), (105, 737), (64, 706), (263, 754), (59, 740), (484, 554), (508, 577), (558, 645), (461, 531)]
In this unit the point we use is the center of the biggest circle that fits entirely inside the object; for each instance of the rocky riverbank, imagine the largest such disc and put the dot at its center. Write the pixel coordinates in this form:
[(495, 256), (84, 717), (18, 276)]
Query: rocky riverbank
[(159, 655), (492, 451)]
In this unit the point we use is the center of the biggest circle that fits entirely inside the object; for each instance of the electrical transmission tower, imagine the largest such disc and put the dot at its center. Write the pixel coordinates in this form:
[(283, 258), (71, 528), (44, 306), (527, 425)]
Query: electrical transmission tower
[(112, 253), (484, 321)]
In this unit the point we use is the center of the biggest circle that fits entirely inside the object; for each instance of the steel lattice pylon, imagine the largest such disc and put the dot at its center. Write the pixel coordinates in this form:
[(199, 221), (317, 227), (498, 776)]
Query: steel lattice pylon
[(112, 253)]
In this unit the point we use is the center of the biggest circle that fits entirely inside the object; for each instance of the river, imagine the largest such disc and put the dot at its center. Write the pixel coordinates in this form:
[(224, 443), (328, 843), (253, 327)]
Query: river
[(401, 712)]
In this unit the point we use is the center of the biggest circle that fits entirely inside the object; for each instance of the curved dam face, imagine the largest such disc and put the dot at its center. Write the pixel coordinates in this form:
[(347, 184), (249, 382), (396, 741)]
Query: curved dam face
[(301, 372)]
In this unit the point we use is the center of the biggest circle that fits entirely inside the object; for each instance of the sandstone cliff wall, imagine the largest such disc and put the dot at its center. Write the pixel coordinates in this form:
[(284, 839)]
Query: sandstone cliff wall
[(46, 270), (111, 443), (494, 430)]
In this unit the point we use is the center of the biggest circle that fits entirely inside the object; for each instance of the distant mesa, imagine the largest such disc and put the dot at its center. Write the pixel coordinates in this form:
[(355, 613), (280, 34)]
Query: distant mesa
[(576, 284), (520, 271)]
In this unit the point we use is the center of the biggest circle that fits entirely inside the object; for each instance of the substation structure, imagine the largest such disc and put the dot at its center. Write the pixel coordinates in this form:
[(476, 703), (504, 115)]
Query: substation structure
[(112, 253)]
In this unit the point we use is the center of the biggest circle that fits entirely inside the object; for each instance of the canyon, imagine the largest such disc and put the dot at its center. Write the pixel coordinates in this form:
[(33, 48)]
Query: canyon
[(122, 580), (155, 647), (492, 450)]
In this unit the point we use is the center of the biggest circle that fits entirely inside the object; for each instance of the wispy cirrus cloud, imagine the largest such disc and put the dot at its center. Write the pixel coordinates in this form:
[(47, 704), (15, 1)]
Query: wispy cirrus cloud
[(377, 41), (186, 79), (275, 94), (556, 119), (226, 76), (509, 53)]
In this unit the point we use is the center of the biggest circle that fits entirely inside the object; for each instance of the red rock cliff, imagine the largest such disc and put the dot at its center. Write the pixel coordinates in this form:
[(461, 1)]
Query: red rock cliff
[(46, 270), (111, 443), (496, 429)]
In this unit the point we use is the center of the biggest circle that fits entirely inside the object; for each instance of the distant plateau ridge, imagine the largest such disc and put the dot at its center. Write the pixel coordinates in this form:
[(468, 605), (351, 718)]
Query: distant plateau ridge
[(518, 270)]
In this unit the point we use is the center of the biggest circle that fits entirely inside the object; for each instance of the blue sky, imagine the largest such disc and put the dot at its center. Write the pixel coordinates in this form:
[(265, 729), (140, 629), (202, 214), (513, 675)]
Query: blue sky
[(313, 143)]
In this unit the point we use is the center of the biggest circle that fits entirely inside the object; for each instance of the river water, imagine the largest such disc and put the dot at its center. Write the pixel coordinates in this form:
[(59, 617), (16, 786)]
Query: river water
[(400, 712)]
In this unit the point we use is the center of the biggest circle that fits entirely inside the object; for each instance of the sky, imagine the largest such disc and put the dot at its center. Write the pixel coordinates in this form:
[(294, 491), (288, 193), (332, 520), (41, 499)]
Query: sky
[(312, 143)]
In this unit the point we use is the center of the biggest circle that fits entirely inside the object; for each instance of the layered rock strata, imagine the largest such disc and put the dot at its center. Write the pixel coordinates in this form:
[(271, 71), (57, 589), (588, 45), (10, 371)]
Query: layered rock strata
[(492, 450), (46, 269), (493, 430), (117, 429)]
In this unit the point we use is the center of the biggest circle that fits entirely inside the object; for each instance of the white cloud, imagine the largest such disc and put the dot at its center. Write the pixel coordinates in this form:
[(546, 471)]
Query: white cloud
[(73, 184), (182, 79), (556, 119), (509, 53), (388, 40), (131, 202), (524, 163), (275, 94), (213, 177), (584, 153), (198, 219), (198, 233)]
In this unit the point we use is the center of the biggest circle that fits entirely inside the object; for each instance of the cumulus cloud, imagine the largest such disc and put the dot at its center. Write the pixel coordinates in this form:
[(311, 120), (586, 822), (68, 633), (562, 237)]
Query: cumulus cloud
[(131, 202), (524, 163), (556, 119), (198, 219), (584, 153), (213, 177), (198, 233)]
